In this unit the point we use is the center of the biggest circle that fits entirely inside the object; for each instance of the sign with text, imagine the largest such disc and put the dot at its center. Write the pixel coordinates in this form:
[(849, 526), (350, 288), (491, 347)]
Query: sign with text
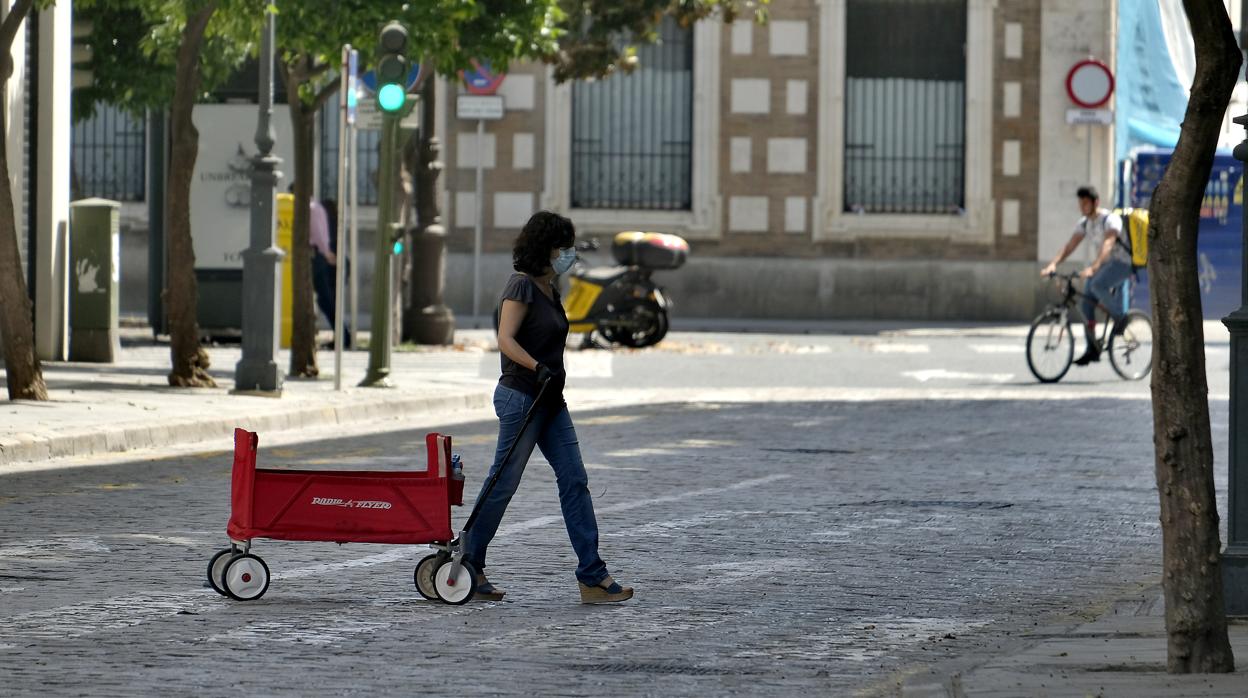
[(1090, 116), (221, 183), (486, 107), (368, 117)]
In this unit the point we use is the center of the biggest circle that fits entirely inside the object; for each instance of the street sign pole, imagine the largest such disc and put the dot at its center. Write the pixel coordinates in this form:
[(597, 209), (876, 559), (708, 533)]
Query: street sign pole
[(353, 136), (346, 100)]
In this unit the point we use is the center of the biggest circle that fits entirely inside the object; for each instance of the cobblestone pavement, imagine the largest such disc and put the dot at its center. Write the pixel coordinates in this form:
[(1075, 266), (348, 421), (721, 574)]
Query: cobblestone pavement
[(781, 548)]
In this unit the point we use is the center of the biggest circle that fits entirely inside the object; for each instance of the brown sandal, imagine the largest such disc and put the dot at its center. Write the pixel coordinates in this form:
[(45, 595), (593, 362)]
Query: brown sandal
[(607, 591)]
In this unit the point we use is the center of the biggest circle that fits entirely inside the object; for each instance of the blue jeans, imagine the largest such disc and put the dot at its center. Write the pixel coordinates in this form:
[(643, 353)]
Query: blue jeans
[(552, 432), (1100, 289), (324, 283)]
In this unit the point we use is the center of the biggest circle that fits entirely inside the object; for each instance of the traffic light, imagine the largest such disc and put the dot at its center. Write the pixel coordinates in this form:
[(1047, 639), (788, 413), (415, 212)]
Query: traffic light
[(392, 68)]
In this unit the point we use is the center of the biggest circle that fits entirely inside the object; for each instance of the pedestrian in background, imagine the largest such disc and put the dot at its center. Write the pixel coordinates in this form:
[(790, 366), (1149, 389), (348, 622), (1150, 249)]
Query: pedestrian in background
[(532, 332), (323, 236)]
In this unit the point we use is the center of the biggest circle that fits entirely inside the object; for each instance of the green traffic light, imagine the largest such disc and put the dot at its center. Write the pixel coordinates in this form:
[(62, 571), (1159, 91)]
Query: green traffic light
[(398, 247), (390, 97)]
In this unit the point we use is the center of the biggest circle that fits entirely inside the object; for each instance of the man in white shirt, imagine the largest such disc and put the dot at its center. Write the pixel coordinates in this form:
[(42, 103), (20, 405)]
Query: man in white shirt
[(1110, 268)]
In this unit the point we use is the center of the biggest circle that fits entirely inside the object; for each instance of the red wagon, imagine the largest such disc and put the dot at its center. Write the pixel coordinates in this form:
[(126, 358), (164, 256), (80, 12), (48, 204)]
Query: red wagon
[(405, 507)]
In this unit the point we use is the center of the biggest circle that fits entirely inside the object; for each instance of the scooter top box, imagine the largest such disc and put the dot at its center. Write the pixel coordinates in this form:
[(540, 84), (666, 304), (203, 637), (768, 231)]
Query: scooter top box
[(650, 250)]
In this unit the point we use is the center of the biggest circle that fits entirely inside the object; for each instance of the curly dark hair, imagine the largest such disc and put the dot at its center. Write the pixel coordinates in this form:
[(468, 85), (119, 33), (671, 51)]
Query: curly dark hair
[(544, 232)]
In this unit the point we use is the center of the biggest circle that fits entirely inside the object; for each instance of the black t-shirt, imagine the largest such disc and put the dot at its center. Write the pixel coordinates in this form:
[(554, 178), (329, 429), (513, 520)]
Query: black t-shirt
[(543, 332)]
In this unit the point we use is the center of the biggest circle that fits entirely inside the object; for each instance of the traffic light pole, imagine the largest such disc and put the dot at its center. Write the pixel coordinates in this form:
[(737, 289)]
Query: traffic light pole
[(378, 375)]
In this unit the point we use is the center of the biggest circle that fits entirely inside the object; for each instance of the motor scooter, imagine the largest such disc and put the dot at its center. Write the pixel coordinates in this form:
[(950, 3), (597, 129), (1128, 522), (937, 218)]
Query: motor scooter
[(622, 303)]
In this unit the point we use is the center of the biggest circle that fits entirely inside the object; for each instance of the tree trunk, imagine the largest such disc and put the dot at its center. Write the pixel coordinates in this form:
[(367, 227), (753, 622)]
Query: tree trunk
[(1192, 577), (303, 319), (17, 320), (190, 360)]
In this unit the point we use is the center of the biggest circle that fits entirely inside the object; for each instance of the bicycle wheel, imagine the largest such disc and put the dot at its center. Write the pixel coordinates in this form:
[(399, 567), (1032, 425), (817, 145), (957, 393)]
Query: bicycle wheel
[(1050, 347), (1131, 352)]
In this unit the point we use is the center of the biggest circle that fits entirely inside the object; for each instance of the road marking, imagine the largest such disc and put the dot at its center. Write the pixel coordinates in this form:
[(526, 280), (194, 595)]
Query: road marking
[(997, 348), (596, 466), (899, 348), (172, 540), (45, 547), (144, 605), (942, 374)]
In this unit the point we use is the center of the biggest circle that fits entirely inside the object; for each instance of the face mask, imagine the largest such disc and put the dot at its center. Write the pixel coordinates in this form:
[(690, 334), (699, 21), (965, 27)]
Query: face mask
[(564, 261)]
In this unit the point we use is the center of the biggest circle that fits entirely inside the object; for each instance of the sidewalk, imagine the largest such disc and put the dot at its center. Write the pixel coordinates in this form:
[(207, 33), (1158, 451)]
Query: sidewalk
[(1121, 653), (128, 405)]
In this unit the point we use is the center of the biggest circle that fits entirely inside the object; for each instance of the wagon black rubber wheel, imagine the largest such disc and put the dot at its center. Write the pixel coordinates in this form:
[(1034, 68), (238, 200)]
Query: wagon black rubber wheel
[(425, 569), (216, 568), (246, 577), (462, 589)]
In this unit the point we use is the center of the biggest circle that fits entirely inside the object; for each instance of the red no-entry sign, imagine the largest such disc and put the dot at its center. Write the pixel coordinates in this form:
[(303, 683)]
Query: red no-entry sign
[(1090, 83)]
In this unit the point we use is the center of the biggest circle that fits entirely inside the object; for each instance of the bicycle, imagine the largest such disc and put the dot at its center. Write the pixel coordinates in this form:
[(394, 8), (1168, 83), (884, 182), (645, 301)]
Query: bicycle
[(1051, 339)]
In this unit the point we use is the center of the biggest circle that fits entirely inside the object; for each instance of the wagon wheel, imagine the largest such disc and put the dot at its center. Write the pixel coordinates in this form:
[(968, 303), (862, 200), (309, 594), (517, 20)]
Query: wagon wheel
[(216, 568), (461, 590), (246, 577), (425, 570)]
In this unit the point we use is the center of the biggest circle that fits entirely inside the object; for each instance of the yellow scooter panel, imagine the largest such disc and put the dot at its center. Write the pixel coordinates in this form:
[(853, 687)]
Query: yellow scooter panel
[(581, 297)]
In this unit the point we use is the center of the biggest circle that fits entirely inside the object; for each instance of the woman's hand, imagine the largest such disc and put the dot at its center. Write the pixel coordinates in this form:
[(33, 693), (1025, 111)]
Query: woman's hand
[(546, 373)]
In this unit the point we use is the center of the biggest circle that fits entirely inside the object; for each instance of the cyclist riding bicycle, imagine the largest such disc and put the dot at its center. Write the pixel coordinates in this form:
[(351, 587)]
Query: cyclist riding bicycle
[(1102, 229)]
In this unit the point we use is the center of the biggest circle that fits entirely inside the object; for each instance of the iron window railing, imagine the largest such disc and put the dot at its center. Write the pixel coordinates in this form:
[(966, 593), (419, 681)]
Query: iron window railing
[(109, 155), (367, 151), (632, 135), (905, 106)]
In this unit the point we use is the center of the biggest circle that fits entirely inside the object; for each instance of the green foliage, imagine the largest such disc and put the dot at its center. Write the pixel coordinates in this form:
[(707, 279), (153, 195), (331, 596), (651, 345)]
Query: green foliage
[(135, 43), (600, 37)]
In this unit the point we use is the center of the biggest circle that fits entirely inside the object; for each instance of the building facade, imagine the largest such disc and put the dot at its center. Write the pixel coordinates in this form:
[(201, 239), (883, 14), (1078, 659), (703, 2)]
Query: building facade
[(905, 159), (891, 159)]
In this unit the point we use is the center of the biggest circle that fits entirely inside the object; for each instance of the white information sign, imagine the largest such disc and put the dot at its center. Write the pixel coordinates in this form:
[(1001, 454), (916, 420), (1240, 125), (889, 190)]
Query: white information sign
[(479, 107), (221, 183), (1090, 116), (368, 116)]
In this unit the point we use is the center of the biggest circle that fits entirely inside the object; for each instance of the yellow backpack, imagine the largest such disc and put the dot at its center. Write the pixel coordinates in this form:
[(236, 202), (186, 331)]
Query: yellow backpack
[(1135, 220)]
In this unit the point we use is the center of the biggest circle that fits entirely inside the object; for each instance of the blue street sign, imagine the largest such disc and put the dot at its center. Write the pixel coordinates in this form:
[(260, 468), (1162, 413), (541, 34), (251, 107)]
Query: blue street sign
[(479, 80), (370, 79)]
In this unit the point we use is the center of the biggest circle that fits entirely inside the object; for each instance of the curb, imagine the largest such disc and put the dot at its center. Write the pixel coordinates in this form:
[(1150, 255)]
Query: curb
[(122, 438)]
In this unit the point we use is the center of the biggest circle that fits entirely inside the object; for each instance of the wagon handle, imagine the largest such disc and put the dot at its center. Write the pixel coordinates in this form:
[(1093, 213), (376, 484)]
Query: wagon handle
[(528, 417)]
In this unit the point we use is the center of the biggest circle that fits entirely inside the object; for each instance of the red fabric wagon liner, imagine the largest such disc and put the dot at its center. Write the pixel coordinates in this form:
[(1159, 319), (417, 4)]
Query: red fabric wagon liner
[(406, 507)]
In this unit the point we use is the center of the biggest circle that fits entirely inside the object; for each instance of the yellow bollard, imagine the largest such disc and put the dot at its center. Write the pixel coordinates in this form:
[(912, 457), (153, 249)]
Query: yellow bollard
[(285, 232)]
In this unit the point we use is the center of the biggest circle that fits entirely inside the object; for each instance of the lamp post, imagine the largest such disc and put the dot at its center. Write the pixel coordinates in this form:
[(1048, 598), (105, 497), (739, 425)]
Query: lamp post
[(1235, 555), (257, 371)]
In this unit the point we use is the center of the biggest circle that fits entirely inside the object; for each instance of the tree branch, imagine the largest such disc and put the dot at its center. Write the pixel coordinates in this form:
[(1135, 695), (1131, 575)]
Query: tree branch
[(8, 32), (326, 92), (426, 70), (315, 68)]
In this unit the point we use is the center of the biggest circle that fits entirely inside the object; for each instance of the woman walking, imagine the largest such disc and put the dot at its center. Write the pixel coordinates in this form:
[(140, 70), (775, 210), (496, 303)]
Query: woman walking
[(532, 332)]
